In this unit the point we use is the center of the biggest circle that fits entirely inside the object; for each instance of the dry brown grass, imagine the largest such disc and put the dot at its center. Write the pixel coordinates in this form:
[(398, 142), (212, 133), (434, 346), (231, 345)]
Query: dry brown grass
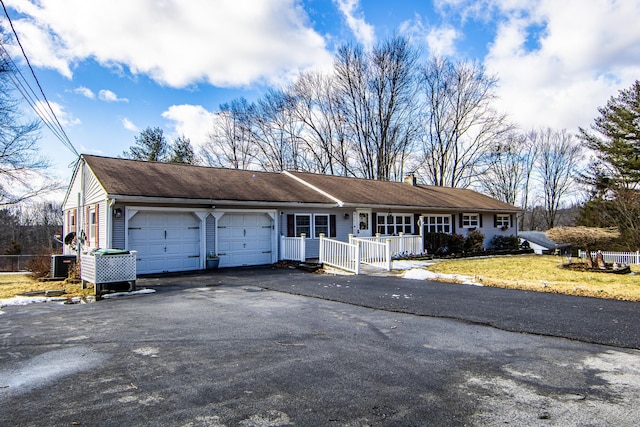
[(542, 273), (12, 285)]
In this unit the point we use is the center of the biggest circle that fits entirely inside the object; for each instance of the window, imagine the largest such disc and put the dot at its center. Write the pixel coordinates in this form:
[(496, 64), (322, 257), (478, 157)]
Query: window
[(437, 224), (92, 226), (303, 225), (393, 224), (312, 225), (470, 220), (502, 221), (321, 225)]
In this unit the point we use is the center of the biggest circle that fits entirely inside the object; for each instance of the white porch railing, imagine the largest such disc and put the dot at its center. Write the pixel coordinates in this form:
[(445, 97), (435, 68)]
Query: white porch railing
[(401, 244), (619, 257), (340, 254), (293, 248), (372, 252)]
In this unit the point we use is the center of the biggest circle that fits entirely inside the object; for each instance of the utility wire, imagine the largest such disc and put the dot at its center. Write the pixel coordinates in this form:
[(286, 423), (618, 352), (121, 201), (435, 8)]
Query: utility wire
[(48, 116)]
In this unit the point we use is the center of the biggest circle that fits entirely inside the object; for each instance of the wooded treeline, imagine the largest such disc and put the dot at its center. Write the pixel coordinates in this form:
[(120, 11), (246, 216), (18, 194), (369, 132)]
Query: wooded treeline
[(384, 113), (30, 229)]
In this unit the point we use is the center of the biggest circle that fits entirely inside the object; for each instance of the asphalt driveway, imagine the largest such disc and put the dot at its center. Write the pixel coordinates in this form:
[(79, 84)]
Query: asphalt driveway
[(245, 347)]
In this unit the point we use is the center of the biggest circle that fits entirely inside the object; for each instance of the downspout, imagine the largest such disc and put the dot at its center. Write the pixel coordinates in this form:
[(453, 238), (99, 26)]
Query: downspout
[(81, 213), (110, 204)]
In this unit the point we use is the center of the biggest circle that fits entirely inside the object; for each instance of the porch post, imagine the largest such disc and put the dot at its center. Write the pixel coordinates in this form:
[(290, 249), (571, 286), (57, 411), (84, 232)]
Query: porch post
[(387, 248)]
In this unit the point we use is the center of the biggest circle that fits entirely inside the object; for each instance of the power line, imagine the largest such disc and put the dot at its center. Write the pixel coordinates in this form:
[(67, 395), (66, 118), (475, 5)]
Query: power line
[(47, 115)]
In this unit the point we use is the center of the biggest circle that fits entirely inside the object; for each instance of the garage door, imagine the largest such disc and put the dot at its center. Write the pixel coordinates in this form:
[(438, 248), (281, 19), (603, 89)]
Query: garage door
[(245, 239), (165, 241)]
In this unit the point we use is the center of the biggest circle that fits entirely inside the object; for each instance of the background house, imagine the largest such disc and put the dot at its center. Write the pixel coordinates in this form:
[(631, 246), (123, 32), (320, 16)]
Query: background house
[(175, 214), (540, 243)]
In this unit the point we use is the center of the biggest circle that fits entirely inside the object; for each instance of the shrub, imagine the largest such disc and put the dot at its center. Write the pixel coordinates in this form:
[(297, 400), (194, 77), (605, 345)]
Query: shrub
[(504, 243), (474, 241), (39, 266), (443, 243)]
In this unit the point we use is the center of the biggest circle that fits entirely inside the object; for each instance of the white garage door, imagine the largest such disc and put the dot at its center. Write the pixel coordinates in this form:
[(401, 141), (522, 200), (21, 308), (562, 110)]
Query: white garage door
[(165, 241), (245, 239)]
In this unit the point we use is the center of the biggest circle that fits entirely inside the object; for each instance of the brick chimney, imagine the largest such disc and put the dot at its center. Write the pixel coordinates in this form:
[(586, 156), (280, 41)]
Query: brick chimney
[(410, 179)]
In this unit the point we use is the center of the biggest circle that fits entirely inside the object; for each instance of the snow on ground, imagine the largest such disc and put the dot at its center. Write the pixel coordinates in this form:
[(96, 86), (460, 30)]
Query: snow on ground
[(76, 300), (417, 270)]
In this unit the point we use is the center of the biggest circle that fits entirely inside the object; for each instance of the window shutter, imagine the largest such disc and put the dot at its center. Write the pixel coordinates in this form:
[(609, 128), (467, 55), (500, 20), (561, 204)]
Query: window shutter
[(86, 220), (480, 218), (96, 238), (75, 219), (332, 226), (68, 229), (495, 220), (416, 222), (461, 223), (374, 223), (511, 220), (291, 226), (453, 223)]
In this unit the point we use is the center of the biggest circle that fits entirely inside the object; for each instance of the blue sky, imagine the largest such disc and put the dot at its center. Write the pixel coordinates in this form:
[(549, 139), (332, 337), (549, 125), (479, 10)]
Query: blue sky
[(113, 68)]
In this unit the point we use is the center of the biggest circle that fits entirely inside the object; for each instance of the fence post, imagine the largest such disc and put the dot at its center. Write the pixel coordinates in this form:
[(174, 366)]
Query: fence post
[(637, 257), (401, 246), (387, 255), (356, 248), (303, 247), (321, 257), (350, 238)]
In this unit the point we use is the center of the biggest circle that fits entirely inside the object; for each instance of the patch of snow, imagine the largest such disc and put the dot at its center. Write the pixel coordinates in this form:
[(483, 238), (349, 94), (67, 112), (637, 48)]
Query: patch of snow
[(28, 300), (423, 274), (410, 264), (124, 294)]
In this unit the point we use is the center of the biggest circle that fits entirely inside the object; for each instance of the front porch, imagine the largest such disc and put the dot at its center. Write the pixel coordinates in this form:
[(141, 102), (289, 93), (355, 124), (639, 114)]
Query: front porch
[(376, 252)]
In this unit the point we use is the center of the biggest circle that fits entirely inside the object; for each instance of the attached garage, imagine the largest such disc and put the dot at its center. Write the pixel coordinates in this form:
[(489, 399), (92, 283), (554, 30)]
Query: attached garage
[(246, 239), (165, 241)]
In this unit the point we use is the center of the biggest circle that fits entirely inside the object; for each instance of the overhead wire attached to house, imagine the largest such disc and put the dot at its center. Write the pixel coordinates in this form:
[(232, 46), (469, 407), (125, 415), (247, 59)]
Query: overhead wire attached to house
[(40, 106)]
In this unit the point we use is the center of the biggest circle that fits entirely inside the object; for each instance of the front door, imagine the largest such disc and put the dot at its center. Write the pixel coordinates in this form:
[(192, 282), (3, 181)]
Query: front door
[(362, 223)]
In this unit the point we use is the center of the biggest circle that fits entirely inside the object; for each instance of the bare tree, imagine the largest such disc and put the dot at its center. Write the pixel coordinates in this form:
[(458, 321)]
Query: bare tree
[(460, 125), (23, 171), (230, 143), (276, 132), (377, 93), (558, 167), (323, 135)]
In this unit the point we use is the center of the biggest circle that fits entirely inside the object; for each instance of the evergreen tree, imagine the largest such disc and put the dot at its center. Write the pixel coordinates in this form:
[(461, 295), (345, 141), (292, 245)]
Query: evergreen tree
[(150, 145), (182, 151), (615, 174)]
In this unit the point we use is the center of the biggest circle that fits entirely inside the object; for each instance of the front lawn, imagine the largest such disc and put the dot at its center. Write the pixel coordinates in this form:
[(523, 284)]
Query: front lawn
[(542, 273), (12, 284)]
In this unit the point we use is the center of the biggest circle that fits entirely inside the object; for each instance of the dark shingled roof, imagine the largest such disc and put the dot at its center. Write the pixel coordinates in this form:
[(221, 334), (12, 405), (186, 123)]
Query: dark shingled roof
[(354, 191), (125, 177), (171, 180)]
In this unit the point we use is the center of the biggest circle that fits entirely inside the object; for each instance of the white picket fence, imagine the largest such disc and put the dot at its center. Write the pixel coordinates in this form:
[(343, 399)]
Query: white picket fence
[(401, 244), (374, 253), (293, 248), (343, 255), (619, 257)]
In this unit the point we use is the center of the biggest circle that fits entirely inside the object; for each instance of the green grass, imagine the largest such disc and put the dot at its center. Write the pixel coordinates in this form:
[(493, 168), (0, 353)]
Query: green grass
[(542, 273)]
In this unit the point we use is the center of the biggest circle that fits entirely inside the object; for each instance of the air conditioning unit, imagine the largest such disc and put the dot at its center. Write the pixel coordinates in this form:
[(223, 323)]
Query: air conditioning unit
[(60, 265)]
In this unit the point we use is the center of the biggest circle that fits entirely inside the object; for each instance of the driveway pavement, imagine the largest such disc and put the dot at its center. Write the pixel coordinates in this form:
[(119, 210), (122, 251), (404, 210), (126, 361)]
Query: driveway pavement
[(245, 347)]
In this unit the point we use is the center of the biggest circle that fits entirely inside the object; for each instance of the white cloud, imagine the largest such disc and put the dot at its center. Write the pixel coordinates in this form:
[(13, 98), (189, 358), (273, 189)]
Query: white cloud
[(66, 119), (176, 43), (193, 121), (84, 91), (129, 125), (558, 61), (441, 41), (109, 96), (362, 31)]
